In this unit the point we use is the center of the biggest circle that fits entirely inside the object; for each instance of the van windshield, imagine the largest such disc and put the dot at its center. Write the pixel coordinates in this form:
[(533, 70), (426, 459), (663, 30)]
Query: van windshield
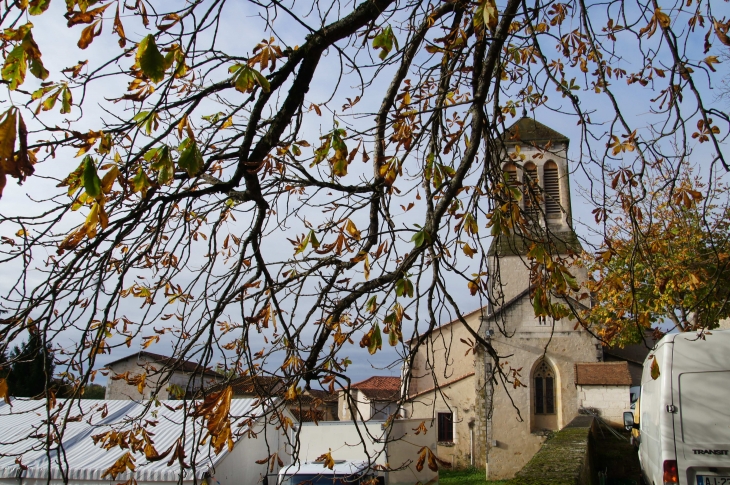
[(703, 407), (310, 479)]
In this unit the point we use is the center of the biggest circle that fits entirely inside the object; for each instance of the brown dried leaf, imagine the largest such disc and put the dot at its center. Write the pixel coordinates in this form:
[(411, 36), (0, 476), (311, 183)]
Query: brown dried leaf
[(16, 165)]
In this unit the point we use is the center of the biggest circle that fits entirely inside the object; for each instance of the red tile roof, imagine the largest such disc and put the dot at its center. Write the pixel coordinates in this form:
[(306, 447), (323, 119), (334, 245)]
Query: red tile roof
[(602, 374), (379, 388)]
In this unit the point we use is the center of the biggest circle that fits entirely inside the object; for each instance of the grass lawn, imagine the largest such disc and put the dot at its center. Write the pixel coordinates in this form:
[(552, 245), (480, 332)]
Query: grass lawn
[(466, 477)]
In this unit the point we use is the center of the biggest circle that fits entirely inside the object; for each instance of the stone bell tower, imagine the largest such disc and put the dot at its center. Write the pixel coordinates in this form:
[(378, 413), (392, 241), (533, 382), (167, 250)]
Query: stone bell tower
[(535, 161)]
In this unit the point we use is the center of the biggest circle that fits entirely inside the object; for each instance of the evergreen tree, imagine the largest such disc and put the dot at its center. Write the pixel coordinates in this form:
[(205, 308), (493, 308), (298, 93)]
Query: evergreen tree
[(31, 368)]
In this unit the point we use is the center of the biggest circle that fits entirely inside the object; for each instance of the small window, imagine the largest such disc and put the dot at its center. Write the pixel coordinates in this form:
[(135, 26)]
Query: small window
[(544, 389), (446, 427)]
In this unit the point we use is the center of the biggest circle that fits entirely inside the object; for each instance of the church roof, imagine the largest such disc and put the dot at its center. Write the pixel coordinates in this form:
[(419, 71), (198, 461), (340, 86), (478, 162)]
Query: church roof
[(528, 130), (520, 244), (602, 374)]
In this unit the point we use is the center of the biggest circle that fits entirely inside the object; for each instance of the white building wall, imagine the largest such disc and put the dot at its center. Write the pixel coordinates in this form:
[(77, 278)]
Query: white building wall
[(239, 467), (119, 389), (610, 401)]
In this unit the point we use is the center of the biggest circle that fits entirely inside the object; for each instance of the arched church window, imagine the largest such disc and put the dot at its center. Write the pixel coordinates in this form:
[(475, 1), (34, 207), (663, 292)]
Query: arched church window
[(510, 172), (531, 191), (544, 380), (552, 190)]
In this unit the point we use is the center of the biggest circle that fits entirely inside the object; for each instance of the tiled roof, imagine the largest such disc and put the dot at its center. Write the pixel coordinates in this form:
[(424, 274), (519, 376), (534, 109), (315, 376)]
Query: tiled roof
[(324, 396), (379, 388), (528, 130), (167, 361), (602, 374), (264, 386)]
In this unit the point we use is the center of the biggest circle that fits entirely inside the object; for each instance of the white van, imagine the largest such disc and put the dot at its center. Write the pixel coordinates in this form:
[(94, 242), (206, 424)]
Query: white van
[(685, 411)]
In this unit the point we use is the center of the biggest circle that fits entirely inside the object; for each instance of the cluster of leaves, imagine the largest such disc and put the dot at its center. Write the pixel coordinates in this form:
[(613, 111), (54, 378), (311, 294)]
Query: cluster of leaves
[(675, 268)]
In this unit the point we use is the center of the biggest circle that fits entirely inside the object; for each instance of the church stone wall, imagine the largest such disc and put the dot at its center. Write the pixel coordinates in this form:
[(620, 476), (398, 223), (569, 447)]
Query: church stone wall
[(440, 358), (512, 436)]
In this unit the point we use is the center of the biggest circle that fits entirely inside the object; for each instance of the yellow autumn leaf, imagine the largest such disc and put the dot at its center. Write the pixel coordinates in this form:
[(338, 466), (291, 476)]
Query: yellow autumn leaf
[(352, 229)]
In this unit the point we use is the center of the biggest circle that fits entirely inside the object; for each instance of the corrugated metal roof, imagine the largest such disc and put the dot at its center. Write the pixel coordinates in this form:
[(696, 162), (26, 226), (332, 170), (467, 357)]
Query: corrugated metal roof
[(24, 427)]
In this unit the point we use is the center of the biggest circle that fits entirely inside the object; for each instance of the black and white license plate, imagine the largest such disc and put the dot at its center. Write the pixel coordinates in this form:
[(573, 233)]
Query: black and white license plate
[(712, 480)]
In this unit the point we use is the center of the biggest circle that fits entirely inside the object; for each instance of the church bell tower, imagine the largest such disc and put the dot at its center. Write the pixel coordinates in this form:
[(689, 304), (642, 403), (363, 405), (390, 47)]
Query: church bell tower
[(535, 160)]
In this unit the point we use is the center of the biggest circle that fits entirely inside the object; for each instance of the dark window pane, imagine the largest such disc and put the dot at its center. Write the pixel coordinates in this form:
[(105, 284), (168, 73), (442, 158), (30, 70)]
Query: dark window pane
[(549, 396), (539, 396), (445, 427)]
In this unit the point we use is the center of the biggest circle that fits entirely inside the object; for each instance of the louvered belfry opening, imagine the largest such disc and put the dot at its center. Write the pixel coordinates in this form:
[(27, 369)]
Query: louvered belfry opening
[(510, 170), (532, 191), (551, 187)]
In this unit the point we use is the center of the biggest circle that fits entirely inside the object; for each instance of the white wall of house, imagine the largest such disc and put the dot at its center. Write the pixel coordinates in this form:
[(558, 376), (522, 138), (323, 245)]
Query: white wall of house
[(119, 389), (610, 401), (239, 467)]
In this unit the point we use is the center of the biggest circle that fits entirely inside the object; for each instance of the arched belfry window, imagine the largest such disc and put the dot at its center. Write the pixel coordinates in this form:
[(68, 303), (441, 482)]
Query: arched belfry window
[(510, 172), (531, 189), (552, 190), (544, 382)]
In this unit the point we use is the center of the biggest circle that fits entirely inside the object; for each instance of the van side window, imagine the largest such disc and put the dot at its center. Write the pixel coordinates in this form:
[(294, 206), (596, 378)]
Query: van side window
[(544, 389)]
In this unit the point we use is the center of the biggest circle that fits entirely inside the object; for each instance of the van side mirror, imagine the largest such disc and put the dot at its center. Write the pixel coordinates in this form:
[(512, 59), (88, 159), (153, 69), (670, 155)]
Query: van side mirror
[(629, 421)]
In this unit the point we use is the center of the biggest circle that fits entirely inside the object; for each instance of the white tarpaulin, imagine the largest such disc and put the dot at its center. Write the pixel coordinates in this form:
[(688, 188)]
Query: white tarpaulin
[(25, 430)]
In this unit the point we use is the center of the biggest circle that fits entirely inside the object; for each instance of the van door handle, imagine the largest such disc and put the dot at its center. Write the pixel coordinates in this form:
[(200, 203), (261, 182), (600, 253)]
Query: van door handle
[(671, 408)]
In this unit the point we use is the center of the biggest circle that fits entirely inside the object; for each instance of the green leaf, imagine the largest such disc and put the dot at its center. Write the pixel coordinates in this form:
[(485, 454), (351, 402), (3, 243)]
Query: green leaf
[(302, 246), (470, 225), (419, 238), (537, 303), (92, 183), (147, 120), (246, 78), (372, 304), (191, 160), (385, 40), (141, 182), (37, 69), (313, 239), (50, 101), (376, 340), (393, 338), (150, 61), (37, 7), (162, 162), (14, 68), (66, 100), (262, 81), (404, 287)]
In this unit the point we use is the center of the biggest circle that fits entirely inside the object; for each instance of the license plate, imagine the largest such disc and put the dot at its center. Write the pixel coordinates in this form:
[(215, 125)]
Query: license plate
[(712, 480)]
